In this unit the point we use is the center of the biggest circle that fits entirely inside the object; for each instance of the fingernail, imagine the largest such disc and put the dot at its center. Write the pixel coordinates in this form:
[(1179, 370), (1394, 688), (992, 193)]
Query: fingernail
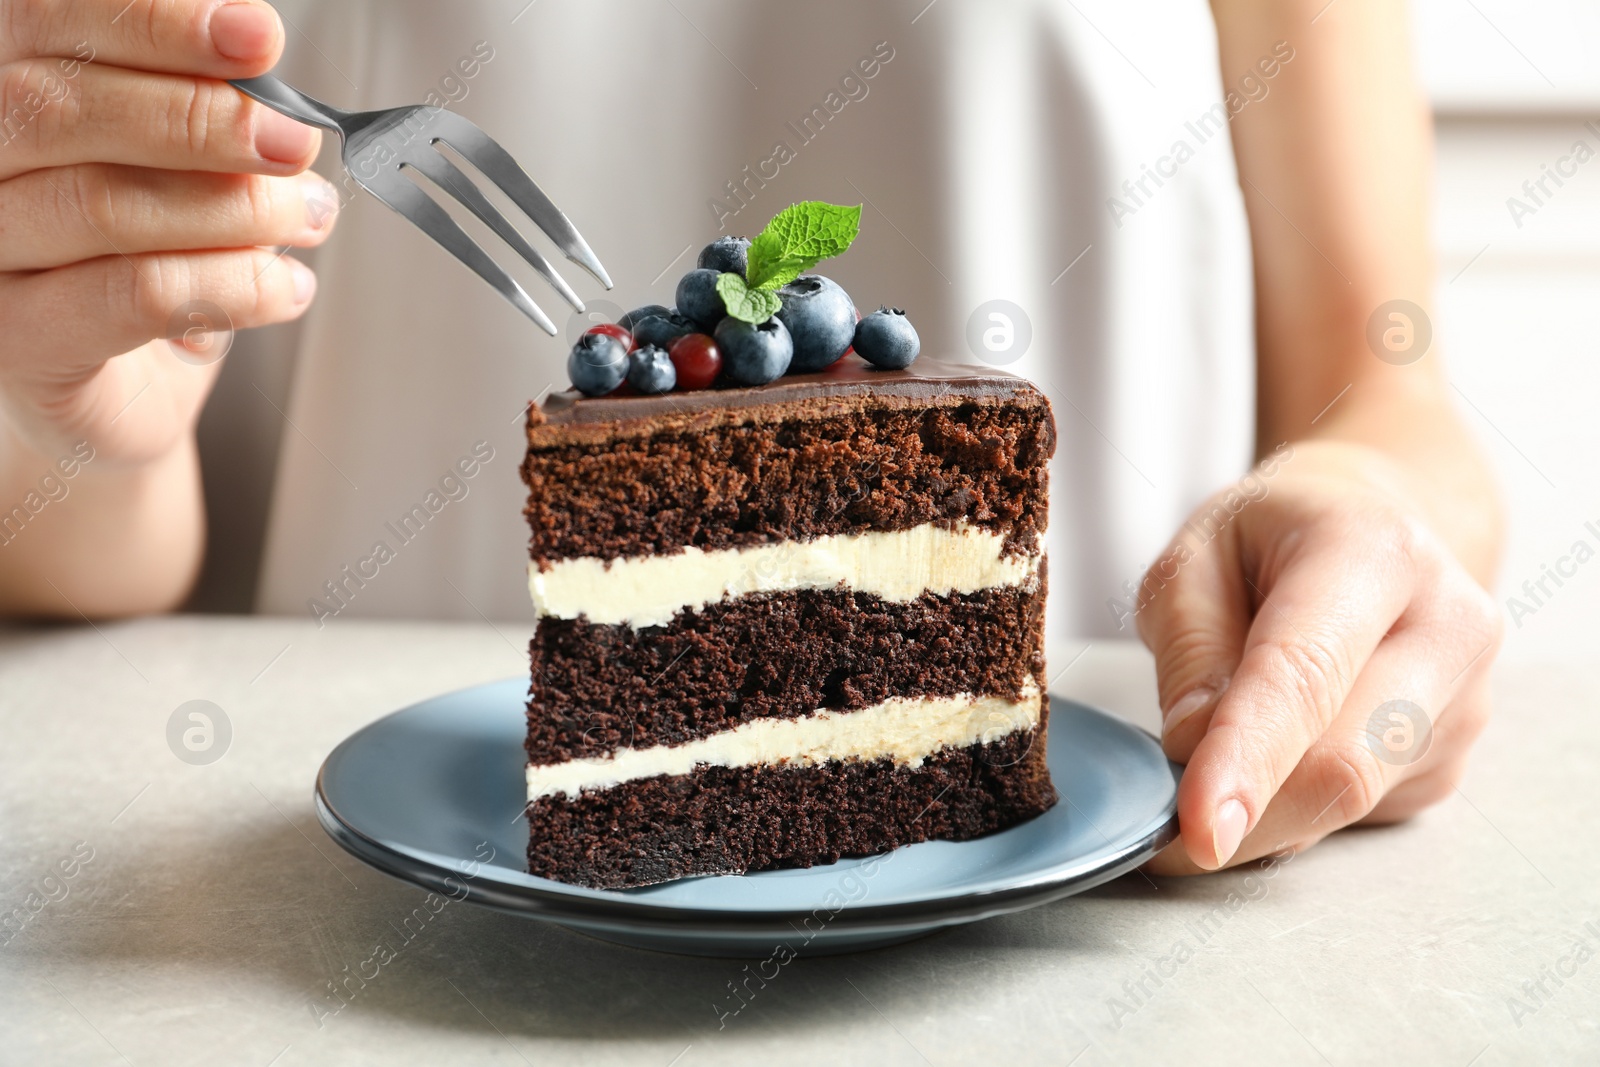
[(1228, 830), (305, 282), (243, 31), (322, 202), (280, 138), (1194, 700)]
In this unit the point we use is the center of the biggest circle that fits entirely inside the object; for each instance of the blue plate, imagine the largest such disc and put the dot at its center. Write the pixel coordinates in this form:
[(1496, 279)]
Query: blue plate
[(432, 794)]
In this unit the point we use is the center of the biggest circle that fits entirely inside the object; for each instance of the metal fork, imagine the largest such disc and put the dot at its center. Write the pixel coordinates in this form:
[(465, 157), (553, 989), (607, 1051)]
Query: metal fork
[(377, 145)]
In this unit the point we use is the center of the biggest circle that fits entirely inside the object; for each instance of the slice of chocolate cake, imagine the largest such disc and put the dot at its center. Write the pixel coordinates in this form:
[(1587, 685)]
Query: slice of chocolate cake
[(784, 624)]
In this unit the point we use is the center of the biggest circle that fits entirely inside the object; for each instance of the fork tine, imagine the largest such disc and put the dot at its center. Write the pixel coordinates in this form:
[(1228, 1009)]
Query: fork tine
[(398, 191), (483, 152), (447, 176)]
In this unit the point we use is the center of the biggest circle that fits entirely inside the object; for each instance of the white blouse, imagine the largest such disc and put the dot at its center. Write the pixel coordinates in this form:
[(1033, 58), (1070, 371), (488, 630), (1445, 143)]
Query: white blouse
[(1026, 201)]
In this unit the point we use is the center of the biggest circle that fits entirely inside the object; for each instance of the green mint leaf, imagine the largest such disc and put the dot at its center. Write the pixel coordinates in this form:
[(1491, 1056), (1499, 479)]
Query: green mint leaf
[(799, 238), (754, 306)]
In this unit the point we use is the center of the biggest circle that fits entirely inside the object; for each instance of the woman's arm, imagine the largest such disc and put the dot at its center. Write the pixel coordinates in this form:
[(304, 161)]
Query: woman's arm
[(87, 532), (1323, 656), (1336, 165)]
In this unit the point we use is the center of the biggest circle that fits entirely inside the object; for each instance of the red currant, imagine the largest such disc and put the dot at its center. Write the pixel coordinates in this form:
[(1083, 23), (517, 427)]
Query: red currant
[(611, 329), (697, 360)]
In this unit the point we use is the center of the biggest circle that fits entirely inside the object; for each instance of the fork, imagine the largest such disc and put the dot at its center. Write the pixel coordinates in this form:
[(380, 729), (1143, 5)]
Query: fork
[(377, 145)]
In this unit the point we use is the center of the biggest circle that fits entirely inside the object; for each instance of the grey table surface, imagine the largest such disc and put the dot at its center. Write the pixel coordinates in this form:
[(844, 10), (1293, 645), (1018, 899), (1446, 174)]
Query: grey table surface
[(206, 911)]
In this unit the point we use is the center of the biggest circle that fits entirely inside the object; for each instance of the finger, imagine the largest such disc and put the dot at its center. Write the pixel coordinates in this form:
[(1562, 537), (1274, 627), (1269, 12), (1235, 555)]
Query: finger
[(1460, 725), (1333, 785), (1454, 735), (1373, 746), (1335, 782), (110, 115), (1391, 749), (1173, 862), (1417, 707), (1336, 597), (215, 38), (1193, 615), (69, 214), (61, 325)]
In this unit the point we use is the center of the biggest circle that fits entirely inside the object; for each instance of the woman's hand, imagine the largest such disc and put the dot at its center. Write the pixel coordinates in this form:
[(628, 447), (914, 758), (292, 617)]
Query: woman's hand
[(138, 196), (1287, 618)]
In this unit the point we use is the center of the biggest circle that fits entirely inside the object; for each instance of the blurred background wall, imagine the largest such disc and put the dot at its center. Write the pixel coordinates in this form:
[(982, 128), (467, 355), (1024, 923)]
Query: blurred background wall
[(1516, 88)]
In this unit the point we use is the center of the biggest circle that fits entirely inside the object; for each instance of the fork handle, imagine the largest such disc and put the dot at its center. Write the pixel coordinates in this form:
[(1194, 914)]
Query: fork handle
[(282, 97)]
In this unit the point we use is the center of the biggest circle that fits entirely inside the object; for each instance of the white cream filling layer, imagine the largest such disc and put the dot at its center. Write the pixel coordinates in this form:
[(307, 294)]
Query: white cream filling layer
[(898, 566), (906, 730)]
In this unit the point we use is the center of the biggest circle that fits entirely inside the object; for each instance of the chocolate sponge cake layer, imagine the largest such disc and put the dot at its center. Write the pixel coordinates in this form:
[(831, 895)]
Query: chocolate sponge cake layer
[(783, 624), (772, 655), (728, 820), (728, 477)]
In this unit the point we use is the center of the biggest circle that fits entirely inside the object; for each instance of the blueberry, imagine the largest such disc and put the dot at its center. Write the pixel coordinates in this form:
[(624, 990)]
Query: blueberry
[(754, 355), (698, 298), (820, 317), (638, 315), (650, 370), (887, 339), (598, 364), (662, 330), (730, 255)]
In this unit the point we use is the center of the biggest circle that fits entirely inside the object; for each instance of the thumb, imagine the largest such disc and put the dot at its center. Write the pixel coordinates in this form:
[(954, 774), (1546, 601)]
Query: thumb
[(1193, 612)]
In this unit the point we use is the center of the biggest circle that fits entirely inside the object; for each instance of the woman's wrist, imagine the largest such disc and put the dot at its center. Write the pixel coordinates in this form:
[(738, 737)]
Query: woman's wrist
[(84, 535)]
